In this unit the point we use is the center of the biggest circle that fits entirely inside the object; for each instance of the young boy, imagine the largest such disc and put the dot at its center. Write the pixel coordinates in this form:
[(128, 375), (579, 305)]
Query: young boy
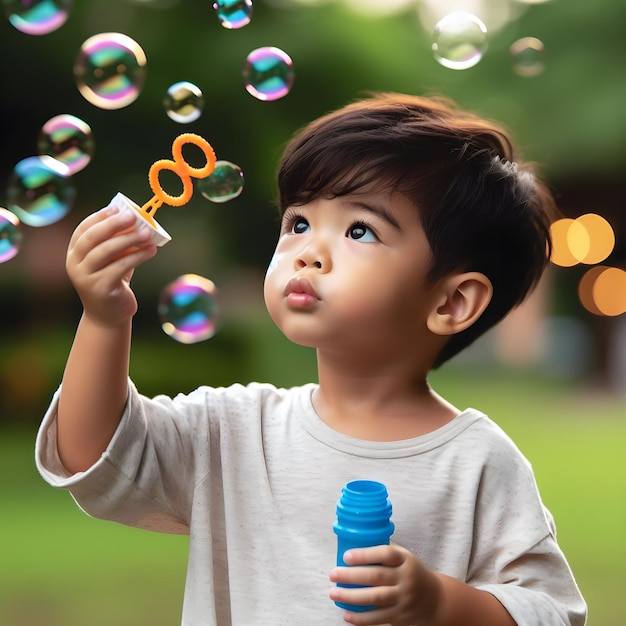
[(407, 231)]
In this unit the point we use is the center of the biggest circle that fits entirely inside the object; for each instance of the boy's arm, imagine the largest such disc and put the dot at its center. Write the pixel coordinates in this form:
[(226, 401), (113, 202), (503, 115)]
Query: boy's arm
[(102, 255)]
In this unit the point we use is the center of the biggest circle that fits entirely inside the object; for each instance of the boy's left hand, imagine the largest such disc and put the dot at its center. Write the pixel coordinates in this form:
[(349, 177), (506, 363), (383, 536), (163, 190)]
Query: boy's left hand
[(402, 588)]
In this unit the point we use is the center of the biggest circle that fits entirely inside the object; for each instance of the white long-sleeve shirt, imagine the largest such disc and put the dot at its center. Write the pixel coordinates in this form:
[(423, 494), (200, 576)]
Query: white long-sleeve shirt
[(253, 475)]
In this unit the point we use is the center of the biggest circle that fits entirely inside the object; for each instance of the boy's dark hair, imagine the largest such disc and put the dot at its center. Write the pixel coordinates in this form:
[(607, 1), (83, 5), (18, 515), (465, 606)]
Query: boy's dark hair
[(480, 210)]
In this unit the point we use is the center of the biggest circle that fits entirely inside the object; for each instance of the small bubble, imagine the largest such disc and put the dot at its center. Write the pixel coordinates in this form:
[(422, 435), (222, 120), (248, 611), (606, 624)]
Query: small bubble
[(37, 17), (188, 309), (459, 40), (233, 14), (110, 70), (268, 73), (10, 235), (527, 54), (224, 184), (67, 139), (184, 102), (39, 191)]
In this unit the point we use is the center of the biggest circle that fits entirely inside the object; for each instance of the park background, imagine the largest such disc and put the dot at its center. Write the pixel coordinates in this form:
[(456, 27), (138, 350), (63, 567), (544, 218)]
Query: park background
[(553, 376)]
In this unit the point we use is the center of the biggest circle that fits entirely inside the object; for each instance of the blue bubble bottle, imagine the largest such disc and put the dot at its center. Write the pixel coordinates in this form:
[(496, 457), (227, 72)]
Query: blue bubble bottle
[(363, 521)]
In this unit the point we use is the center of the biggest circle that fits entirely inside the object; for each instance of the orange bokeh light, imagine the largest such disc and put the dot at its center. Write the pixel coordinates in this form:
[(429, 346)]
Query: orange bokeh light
[(588, 239), (602, 291)]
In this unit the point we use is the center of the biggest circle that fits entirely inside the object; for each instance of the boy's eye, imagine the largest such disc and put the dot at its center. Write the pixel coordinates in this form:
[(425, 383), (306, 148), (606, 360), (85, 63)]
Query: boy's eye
[(361, 232), (300, 225)]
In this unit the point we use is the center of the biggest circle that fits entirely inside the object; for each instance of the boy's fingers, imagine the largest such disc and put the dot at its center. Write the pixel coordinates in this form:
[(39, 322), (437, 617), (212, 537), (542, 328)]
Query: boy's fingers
[(368, 576), (365, 596), (106, 241), (389, 556), (100, 226)]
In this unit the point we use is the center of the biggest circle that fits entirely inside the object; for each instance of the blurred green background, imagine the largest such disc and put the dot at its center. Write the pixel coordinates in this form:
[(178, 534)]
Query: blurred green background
[(564, 401)]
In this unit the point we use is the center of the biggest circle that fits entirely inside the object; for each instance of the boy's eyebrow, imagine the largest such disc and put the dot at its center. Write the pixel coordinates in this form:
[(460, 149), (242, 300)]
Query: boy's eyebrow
[(377, 209)]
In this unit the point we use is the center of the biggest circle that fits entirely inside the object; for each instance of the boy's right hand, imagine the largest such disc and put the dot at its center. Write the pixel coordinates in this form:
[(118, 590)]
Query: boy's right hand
[(103, 252)]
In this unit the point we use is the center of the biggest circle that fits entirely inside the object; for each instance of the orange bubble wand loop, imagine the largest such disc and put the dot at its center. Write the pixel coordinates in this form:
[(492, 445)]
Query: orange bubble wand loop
[(182, 169)]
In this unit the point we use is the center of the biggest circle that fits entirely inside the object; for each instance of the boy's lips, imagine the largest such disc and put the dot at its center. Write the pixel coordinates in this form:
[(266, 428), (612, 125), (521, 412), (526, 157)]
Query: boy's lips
[(299, 291)]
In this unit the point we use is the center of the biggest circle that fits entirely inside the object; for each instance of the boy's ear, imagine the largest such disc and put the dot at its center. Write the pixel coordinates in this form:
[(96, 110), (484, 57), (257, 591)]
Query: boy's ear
[(462, 300)]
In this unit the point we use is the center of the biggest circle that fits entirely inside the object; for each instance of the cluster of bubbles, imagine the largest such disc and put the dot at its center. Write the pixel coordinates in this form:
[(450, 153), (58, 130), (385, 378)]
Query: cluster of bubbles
[(460, 40), (589, 240), (109, 72)]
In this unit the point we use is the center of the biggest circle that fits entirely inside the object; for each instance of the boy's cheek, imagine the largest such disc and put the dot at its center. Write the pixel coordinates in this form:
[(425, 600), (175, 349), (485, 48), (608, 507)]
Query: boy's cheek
[(274, 263)]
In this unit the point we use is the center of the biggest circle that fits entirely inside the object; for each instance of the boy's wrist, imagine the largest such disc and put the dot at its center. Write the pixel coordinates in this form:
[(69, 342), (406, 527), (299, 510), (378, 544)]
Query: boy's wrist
[(102, 324)]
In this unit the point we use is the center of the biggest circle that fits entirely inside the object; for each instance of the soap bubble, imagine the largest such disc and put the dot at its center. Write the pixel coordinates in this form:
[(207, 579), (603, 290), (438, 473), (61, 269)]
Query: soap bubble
[(527, 54), (39, 191), (184, 102), (224, 184), (459, 40), (37, 17), (68, 139), (268, 73), (233, 13), (188, 309), (10, 235), (110, 70)]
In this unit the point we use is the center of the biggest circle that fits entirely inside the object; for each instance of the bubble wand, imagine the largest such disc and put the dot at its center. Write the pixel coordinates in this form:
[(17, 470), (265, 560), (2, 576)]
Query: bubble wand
[(183, 170)]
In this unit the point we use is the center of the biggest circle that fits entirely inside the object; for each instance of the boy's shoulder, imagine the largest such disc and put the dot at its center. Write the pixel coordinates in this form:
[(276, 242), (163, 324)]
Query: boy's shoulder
[(491, 446)]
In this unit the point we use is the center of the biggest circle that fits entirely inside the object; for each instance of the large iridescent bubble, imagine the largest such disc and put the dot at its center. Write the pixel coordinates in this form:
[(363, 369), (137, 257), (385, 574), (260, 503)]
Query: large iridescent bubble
[(37, 17), (459, 40), (110, 70), (188, 309), (184, 102), (10, 235), (233, 13), (68, 139), (224, 184), (39, 191), (268, 73)]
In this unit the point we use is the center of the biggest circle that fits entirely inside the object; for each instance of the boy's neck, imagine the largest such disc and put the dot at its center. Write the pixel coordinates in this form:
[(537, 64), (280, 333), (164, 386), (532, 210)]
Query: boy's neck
[(378, 403)]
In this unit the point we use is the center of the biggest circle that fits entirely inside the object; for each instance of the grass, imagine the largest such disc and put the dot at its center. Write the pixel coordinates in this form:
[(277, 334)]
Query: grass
[(60, 568)]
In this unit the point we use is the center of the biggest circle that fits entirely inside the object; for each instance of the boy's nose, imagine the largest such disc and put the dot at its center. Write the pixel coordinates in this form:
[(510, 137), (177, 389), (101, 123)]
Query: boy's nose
[(313, 256)]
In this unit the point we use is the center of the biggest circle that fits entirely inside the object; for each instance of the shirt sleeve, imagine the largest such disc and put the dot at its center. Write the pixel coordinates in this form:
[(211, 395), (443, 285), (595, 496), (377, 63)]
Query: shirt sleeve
[(540, 590), (143, 478), (517, 557)]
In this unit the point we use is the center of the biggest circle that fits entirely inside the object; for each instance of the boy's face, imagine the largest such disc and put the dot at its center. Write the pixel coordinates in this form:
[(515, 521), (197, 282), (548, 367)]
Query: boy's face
[(348, 273)]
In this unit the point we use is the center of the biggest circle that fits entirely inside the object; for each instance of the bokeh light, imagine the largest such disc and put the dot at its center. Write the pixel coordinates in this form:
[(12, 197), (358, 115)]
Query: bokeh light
[(10, 235), (459, 40), (110, 70), (37, 17), (561, 252), (602, 291), (184, 102), (268, 73), (528, 54), (224, 184), (233, 14), (587, 239), (39, 191), (68, 139), (188, 309), (601, 238)]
